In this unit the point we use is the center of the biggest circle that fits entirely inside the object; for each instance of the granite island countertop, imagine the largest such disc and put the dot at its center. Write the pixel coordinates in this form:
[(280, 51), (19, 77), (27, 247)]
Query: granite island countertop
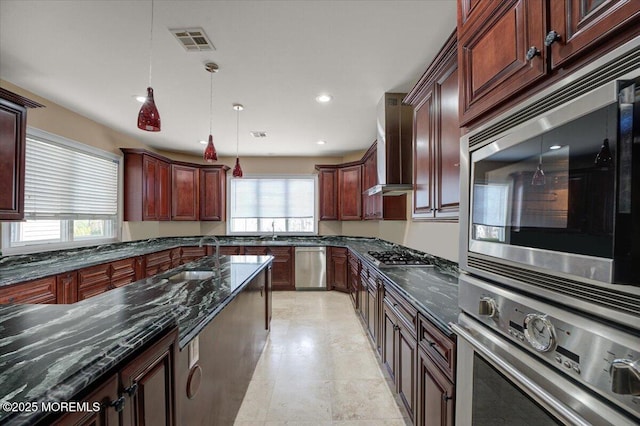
[(52, 352)]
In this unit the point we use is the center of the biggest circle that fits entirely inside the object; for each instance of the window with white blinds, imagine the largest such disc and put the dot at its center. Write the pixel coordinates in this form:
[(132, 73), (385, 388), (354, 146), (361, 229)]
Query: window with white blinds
[(266, 205), (70, 196)]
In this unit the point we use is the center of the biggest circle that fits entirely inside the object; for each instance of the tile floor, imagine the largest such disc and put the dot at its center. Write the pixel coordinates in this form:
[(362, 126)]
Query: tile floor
[(318, 368)]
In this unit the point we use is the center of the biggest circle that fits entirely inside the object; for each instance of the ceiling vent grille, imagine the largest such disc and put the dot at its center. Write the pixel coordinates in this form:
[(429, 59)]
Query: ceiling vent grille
[(258, 134), (193, 39)]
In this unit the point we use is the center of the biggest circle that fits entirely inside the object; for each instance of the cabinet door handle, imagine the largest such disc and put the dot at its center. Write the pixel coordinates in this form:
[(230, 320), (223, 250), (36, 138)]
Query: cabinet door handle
[(446, 397), (131, 390), (118, 404), (395, 327), (431, 343), (551, 38), (532, 53)]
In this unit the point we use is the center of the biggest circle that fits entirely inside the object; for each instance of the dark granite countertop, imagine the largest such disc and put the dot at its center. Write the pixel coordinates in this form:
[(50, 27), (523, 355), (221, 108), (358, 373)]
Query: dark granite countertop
[(52, 352)]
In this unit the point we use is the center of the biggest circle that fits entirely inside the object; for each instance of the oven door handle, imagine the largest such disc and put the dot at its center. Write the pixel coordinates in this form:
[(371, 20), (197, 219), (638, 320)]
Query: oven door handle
[(558, 407)]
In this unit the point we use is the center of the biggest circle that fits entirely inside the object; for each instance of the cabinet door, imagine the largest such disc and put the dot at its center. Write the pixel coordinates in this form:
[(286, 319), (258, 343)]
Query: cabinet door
[(583, 24), (435, 394), (37, 291), (123, 272), (372, 312), (493, 47), (150, 185), (157, 262), (328, 184), (67, 288), (106, 395), (213, 189), (388, 337), (423, 131), (185, 192), (283, 268), (350, 193), (149, 382), (13, 121), (231, 250), (406, 369), (447, 148), (94, 280), (163, 187), (255, 251), (338, 269), (189, 254)]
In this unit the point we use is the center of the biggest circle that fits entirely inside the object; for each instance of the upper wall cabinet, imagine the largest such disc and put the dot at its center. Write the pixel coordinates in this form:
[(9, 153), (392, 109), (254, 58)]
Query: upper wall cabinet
[(213, 192), (510, 49), (328, 187), (147, 186), (13, 133), (436, 138), (157, 189), (350, 192)]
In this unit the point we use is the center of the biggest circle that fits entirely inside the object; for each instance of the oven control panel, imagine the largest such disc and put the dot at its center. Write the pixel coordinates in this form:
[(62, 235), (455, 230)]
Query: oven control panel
[(601, 356)]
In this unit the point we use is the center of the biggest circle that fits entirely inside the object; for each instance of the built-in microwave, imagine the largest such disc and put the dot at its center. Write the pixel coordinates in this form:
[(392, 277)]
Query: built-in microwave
[(551, 192)]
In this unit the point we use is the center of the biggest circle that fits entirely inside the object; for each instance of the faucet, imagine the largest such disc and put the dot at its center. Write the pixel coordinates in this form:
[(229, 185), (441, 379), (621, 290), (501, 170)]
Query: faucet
[(217, 243), (273, 230)]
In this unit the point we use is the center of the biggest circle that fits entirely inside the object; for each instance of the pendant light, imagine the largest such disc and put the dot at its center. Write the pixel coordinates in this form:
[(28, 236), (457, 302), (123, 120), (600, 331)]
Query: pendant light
[(237, 170), (210, 154), (538, 177), (148, 117)]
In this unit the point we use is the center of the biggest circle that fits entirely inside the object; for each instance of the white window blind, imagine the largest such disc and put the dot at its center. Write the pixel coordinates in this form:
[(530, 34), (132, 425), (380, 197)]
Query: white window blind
[(63, 183), (262, 205)]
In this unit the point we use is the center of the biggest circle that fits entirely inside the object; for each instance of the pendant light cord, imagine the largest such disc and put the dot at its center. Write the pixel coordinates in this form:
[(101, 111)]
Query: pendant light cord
[(151, 44), (237, 132), (211, 104)]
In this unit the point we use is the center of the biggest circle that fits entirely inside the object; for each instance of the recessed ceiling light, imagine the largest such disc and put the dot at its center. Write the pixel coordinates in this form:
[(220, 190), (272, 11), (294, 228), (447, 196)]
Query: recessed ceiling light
[(203, 142), (555, 147), (324, 98), (140, 98), (321, 142)]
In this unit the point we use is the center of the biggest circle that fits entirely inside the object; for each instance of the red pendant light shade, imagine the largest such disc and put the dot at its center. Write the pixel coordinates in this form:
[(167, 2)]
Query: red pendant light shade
[(237, 170), (210, 154), (149, 117)]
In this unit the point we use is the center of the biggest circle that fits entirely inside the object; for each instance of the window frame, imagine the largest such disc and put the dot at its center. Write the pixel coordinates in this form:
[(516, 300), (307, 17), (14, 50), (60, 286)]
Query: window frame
[(316, 209), (61, 141)]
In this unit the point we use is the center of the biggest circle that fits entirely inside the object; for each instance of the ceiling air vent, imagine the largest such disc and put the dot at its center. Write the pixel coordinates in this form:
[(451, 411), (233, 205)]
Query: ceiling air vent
[(193, 39), (258, 134)]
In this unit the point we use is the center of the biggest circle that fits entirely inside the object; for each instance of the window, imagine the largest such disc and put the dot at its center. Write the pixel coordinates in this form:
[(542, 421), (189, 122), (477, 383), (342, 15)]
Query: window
[(70, 196), (265, 205)]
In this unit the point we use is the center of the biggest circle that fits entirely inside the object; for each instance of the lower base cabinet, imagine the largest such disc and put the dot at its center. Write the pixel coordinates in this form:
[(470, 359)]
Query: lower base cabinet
[(337, 269), (435, 394), (141, 393)]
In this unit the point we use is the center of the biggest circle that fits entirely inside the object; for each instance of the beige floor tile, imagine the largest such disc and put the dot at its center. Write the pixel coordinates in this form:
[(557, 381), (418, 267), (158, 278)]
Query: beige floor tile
[(300, 401), (381, 422), (353, 365), (256, 401), (363, 400)]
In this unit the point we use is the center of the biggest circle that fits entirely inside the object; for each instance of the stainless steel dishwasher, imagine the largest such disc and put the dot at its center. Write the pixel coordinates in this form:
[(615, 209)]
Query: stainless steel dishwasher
[(311, 268)]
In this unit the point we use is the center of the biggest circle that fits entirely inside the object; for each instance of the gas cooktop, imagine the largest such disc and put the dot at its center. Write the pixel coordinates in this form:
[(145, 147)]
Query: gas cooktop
[(396, 258)]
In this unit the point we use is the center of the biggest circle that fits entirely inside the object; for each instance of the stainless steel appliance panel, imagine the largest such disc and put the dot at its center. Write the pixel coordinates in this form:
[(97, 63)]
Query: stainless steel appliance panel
[(310, 272)]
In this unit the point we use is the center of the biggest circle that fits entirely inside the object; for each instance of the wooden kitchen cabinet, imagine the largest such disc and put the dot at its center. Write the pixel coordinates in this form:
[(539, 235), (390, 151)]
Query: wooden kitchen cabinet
[(107, 395), (94, 280), (231, 250), (353, 279), (509, 50), (283, 268), (189, 254), (158, 262), (42, 290), (185, 192), (147, 186), (13, 134), (350, 192), (67, 288), (581, 25), (255, 250), (436, 138), (123, 272), (328, 197), (337, 269), (436, 397), (371, 204), (149, 385), (213, 192)]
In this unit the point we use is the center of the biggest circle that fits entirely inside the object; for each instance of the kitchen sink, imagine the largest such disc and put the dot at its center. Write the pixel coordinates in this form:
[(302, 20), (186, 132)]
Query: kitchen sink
[(193, 275)]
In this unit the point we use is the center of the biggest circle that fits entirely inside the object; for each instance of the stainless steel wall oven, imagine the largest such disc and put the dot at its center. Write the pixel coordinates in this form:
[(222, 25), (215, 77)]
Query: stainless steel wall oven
[(551, 192)]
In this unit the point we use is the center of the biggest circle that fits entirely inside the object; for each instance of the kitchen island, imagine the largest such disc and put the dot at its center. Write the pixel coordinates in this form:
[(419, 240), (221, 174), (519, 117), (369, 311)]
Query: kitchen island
[(53, 353)]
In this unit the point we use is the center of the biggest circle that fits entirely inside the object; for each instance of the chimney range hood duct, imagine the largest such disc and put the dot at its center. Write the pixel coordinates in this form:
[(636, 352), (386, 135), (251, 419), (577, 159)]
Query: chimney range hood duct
[(395, 128)]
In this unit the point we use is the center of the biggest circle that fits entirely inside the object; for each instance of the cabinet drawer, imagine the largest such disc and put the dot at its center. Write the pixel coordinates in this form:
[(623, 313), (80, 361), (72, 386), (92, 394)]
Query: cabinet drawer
[(189, 254), (403, 309), (123, 272), (38, 291), (158, 262), (439, 347), (94, 280), (230, 250)]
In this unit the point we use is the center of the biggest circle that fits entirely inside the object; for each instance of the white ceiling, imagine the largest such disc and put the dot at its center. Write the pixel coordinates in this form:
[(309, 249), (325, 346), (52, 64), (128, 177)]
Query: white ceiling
[(275, 57)]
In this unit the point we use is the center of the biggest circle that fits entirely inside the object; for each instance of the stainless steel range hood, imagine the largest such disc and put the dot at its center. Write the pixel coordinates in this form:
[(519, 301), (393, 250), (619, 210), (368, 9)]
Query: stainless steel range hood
[(395, 127)]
